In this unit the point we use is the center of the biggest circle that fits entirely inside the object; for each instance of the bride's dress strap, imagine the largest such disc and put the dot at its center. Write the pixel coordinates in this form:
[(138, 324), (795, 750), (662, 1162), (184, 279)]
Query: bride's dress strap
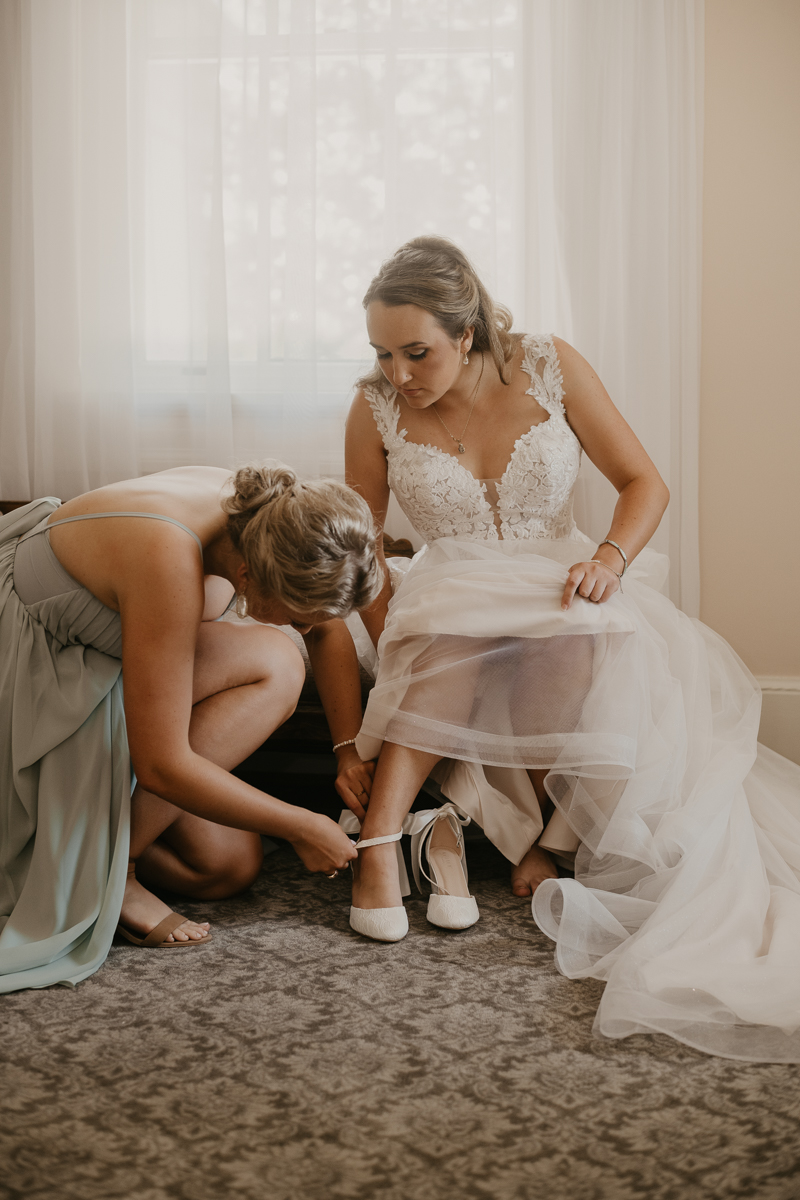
[(387, 415), (548, 387)]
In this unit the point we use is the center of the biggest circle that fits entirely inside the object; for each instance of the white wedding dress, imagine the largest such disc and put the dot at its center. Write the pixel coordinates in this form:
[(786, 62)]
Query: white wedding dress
[(684, 833)]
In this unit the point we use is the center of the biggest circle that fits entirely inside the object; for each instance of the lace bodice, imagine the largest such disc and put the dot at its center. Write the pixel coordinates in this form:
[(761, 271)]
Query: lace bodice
[(441, 498)]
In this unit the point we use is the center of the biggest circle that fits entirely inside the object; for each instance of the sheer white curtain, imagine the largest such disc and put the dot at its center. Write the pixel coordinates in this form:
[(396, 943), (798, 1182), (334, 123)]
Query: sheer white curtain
[(614, 158), (194, 195)]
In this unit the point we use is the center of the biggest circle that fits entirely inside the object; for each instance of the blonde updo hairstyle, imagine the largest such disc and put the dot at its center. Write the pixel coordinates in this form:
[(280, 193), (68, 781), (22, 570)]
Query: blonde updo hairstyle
[(434, 274), (307, 543)]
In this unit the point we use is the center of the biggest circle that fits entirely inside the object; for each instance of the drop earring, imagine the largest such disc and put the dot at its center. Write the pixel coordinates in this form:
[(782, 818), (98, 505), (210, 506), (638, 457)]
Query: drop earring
[(241, 605), (466, 360)]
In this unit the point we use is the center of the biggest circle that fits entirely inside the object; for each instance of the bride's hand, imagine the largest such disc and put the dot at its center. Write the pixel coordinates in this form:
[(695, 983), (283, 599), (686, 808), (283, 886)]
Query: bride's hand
[(354, 780), (593, 580), (322, 845)]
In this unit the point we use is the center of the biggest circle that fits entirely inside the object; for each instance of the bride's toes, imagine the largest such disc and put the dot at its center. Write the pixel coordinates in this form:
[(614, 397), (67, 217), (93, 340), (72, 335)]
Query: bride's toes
[(536, 866)]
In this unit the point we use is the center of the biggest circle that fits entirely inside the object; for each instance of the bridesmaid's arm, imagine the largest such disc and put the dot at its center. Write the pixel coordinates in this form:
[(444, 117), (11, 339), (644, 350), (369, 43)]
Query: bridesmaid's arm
[(158, 586), (336, 674), (365, 472), (616, 451)]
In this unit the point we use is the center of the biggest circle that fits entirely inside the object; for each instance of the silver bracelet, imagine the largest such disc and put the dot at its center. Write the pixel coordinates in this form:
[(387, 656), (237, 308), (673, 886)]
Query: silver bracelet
[(349, 742), (609, 542)]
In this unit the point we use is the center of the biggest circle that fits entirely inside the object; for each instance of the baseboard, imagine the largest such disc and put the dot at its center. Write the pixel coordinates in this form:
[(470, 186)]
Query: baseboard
[(780, 714)]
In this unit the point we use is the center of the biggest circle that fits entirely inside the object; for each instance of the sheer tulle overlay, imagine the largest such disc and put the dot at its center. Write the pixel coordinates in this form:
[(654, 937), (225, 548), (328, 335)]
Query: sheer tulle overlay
[(684, 834), (686, 897)]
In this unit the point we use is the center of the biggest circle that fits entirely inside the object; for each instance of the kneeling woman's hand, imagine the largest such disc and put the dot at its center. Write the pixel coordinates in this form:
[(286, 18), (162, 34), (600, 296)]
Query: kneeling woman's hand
[(354, 780), (321, 844)]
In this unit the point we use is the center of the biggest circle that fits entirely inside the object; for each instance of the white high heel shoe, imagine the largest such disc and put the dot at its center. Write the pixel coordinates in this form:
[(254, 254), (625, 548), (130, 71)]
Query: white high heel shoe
[(381, 924), (450, 905)]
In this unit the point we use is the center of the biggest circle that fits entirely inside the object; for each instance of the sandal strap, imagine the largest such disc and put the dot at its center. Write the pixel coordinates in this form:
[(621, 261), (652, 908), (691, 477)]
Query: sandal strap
[(164, 928), (381, 841)]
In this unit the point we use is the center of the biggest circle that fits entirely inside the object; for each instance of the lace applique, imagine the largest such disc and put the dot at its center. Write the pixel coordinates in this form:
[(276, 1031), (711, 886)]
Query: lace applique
[(441, 498)]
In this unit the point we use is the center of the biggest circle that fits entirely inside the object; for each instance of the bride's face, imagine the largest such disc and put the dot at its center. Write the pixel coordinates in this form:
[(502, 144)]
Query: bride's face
[(414, 352)]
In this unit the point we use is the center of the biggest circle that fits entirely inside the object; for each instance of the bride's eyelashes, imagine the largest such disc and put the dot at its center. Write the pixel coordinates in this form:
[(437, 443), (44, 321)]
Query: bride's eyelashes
[(414, 357)]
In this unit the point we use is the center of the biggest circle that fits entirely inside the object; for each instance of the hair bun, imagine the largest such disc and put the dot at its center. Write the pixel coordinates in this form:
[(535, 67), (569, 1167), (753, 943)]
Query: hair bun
[(258, 484), (308, 543)]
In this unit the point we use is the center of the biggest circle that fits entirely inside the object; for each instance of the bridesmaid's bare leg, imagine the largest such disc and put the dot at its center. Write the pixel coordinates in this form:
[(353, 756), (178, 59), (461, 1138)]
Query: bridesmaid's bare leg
[(399, 775), (247, 682), (537, 864)]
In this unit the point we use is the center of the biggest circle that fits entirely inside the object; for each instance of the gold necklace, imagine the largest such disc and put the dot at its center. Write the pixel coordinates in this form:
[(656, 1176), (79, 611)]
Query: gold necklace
[(459, 443)]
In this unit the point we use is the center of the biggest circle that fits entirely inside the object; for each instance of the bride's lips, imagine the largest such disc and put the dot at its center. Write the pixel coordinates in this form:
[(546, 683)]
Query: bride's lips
[(410, 391)]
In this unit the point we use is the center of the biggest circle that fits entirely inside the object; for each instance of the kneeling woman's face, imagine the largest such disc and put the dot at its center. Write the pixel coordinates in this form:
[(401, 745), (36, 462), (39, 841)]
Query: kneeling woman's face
[(414, 352), (274, 612)]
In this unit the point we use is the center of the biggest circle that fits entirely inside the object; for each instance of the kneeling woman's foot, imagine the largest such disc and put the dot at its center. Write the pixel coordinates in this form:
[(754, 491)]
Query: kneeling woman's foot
[(377, 911), (142, 914), (536, 866)]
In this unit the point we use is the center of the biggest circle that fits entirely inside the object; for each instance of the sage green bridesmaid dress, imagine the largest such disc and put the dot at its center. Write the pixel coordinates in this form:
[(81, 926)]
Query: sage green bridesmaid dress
[(65, 776)]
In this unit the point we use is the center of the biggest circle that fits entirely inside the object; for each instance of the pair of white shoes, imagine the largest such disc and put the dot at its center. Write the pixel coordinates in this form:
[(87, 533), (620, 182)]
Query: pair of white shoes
[(436, 835)]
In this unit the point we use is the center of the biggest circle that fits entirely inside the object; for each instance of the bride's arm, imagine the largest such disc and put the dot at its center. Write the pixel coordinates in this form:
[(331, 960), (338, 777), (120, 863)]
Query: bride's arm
[(615, 450), (365, 472)]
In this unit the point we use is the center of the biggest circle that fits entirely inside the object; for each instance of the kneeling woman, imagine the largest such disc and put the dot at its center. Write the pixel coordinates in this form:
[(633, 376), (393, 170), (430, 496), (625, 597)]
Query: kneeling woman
[(126, 582)]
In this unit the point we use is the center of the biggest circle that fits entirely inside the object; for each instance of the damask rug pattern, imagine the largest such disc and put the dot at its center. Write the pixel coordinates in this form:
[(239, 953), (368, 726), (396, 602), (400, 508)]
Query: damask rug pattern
[(292, 1058)]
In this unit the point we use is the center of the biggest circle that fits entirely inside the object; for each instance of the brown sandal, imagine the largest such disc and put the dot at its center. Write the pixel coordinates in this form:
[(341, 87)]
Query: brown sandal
[(156, 939)]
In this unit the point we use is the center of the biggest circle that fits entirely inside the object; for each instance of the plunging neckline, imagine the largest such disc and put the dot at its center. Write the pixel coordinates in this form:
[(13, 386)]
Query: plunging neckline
[(438, 450), (534, 492), (501, 481)]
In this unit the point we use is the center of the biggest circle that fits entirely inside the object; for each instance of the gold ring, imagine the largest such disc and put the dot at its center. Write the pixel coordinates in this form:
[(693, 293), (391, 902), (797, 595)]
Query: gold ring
[(333, 876)]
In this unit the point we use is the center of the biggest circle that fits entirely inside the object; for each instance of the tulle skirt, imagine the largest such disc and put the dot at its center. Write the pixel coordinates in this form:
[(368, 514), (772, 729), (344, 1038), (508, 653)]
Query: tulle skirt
[(683, 832)]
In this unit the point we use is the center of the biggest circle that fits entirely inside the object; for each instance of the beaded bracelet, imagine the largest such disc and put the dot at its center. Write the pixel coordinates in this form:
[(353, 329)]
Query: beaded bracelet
[(609, 542), (349, 742)]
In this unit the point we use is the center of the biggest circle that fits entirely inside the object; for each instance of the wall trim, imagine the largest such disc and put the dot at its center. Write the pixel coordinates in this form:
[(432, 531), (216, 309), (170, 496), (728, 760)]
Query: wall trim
[(780, 714), (779, 683)]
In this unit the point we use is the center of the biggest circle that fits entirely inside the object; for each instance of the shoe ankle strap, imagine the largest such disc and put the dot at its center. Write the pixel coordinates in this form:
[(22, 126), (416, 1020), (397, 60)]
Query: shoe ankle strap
[(392, 837)]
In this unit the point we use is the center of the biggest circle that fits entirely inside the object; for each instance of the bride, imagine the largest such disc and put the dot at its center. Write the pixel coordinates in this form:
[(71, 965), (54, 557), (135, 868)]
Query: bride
[(558, 698)]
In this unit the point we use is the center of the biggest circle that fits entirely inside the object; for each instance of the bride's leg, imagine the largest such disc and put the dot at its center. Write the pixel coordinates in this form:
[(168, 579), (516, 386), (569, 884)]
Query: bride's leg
[(552, 685), (537, 863), (399, 775), (247, 682)]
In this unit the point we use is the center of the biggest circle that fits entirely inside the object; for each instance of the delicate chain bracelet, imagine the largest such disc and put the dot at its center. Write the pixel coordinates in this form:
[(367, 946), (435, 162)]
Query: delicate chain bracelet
[(349, 742), (609, 542), (600, 563)]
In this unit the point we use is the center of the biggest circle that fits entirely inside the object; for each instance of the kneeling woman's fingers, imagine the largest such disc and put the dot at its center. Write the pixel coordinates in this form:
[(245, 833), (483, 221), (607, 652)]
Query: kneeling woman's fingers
[(354, 786), (352, 801)]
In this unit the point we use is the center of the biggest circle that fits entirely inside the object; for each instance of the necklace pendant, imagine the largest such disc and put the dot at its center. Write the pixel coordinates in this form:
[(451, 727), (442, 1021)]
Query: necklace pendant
[(461, 448)]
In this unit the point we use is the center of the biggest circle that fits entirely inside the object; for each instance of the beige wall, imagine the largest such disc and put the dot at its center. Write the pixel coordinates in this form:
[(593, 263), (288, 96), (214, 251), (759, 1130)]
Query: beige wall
[(750, 387)]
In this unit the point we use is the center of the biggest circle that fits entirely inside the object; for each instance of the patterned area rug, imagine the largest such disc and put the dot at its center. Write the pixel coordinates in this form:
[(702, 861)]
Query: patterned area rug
[(292, 1058)]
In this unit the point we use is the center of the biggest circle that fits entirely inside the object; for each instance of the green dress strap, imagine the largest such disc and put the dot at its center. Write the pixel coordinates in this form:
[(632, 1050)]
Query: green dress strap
[(149, 516)]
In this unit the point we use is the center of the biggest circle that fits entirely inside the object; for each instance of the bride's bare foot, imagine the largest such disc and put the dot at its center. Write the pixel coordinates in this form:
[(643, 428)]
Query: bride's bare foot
[(536, 866), (375, 880), (142, 911)]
